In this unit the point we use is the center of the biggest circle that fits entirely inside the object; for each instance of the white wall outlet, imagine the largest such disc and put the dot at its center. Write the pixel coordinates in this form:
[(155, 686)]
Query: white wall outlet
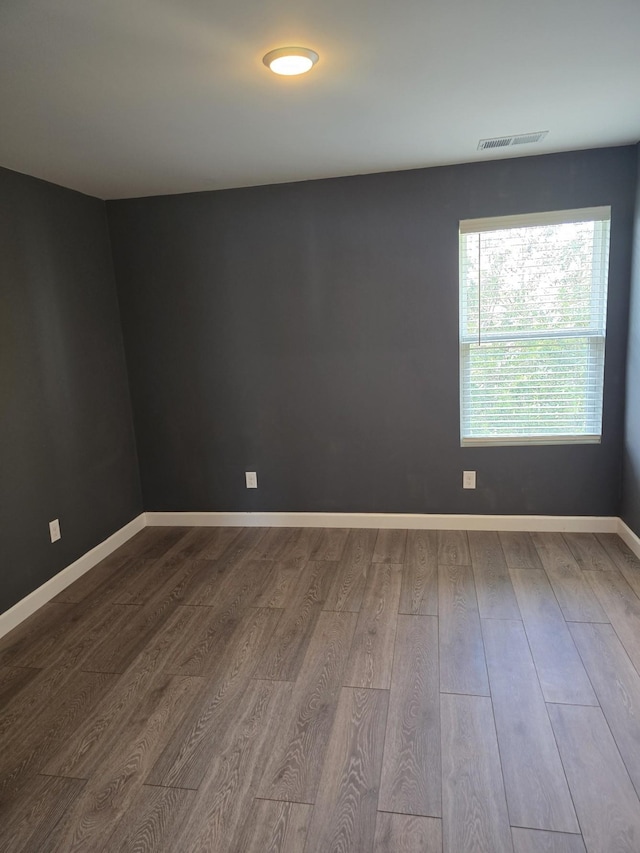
[(252, 479), (468, 479), (54, 530)]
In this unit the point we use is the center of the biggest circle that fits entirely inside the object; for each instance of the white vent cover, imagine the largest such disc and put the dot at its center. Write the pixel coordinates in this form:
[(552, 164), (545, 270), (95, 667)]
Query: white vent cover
[(506, 141)]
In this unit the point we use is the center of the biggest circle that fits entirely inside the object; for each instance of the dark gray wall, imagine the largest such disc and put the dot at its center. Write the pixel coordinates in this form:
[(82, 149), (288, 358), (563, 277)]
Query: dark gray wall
[(631, 473), (66, 438), (309, 332)]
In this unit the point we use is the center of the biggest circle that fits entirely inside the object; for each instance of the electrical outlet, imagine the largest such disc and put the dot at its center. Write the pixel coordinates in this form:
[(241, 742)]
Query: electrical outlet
[(54, 530), (252, 479), (468, 479)]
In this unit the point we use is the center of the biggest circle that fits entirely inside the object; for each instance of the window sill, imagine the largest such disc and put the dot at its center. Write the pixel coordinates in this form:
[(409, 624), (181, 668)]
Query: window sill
[(522, 440)]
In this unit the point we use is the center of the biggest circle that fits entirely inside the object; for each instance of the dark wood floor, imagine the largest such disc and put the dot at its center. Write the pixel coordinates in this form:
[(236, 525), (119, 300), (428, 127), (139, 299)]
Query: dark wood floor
[(328, 691)]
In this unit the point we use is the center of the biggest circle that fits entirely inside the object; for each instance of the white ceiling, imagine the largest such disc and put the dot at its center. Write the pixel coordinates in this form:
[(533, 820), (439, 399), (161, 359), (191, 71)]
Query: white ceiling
[(140, 97)]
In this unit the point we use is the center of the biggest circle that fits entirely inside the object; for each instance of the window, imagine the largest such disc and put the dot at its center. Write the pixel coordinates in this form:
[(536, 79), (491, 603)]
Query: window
[(533, 307)]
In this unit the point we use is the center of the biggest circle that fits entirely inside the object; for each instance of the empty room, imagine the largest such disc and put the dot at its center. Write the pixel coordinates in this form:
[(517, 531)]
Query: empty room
[(319, 427)]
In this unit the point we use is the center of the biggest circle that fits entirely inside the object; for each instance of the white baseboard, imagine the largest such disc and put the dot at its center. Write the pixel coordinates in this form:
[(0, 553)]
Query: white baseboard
[(401, 521), (629, 537), (32, 602)]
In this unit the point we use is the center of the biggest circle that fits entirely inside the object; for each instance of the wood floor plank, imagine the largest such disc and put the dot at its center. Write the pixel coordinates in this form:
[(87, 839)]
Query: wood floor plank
[(371, 655), (238, 589), (229, 788), (107, 796), (80, 754), (26, 748), (399, 833), (390, 546), (187, 756), (293, 773), (254, 631), (146, 537), (154, 542), (115, 578), (122, 645), (220, 539), (141, 586), (622, 607), (154, 821), (94, 630), (453, 548), (279, 585), (242, 547), (419, 593), (351, 575), (72, 639), (344, 816), (271, 543), (209, 581), (411, 773), (119, 718), (274, 827), (300, 545), (288, 543), (34, 821), (45, 621), (212, 542), (588, 552), (161, 647), (204, 646), (538, 841), (462, 663), (209, 584), (82, 751), (560, 671), (496, 598), (135, 579), (474, 808), (534, 781), (519, 550), (284, 652), (104, 580), (220, 584), (604, 797), (575, 596), (618, 550), (623, 557), (617, 686), (34, 699), (115, 652), (331, 545), (12, 680)]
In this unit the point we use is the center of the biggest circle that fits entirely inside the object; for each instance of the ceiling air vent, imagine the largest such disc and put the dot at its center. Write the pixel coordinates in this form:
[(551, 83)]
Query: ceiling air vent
[(506, 141)]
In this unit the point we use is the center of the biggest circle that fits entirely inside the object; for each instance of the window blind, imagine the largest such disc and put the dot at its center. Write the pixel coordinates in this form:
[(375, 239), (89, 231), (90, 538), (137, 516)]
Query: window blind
[(533, 305)]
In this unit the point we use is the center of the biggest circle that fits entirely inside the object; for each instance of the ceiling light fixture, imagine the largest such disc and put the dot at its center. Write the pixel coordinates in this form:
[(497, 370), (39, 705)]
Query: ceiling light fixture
[(290, 60)]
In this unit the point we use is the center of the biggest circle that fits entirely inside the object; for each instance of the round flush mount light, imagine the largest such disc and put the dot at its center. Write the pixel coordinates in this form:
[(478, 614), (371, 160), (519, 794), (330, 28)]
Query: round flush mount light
[(289, 61)]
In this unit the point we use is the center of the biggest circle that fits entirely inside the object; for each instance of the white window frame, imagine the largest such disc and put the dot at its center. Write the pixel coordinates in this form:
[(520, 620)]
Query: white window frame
[(596, 333)]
